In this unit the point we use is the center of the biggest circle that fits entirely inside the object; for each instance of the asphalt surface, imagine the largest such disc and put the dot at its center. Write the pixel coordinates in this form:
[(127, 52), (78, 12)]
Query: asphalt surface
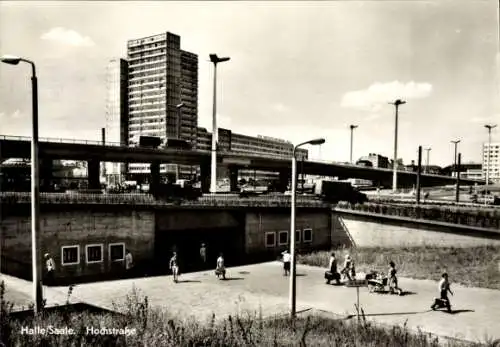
[(262, 289)]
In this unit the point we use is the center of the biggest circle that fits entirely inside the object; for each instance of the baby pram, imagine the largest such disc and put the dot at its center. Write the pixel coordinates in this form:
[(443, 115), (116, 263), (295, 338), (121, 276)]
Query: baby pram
[(329, 276), (377, 283)]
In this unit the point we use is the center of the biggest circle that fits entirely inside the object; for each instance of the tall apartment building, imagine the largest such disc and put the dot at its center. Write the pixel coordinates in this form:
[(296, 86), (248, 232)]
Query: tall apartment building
[(161, 77), (116, 114), (494, 161)]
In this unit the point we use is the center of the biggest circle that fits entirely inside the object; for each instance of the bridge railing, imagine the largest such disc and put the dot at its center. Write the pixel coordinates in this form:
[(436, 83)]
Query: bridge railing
[(469, 216), (148, 200), (58, 140)]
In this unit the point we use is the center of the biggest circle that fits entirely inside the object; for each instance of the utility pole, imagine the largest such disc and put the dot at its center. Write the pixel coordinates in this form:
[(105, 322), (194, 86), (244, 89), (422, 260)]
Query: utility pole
[(396, 104), (419, 173), (455, 156), (457, 168), (427, 163), (352, 127), (489, 127)]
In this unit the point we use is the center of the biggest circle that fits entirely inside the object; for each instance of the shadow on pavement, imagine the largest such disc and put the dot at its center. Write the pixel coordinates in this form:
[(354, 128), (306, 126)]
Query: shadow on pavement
[(188, 281), (386, 292), (300, 275), (460, 311), (244, 272), (233, 278), (387, 314)]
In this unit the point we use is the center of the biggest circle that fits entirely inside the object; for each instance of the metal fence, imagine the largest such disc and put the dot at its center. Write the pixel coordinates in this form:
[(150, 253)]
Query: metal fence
[(473, 217), (148, 200)]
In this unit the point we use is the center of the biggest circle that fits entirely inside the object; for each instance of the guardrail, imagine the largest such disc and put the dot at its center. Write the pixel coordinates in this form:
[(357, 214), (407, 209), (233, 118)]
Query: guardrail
[(456, 215), (58, 140), (423, 202), (148, 200)]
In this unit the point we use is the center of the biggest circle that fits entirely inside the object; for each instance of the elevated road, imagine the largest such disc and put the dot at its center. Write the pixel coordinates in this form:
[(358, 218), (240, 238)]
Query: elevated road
[(19, 147)]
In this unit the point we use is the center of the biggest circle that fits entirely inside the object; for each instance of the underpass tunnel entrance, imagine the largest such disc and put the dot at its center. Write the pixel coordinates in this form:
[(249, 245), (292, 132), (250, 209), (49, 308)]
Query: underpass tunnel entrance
[(187, 244)]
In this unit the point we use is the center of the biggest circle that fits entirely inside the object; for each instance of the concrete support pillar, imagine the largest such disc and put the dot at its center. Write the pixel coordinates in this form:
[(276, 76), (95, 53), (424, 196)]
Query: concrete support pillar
[(205, 176), (93, 168), (284, 179), (154, 181), (46, 174), (233, 179)]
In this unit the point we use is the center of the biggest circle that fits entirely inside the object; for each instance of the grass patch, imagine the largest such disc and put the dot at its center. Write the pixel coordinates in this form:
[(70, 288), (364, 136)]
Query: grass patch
[(152, 327), (471, 266)]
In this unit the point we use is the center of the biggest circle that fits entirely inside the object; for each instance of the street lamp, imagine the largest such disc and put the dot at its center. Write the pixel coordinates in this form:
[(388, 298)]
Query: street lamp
[(179, 120), (293, 294), (35, 185), (213, 182), (396, 104), (427, 160), (489, 127), (455, 156), (352, 127)]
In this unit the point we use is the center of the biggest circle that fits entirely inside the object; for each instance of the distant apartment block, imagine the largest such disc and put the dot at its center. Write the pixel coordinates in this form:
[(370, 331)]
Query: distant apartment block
[(377, 160), (253, 145), (161, 78), (116, 114), (492, 152)]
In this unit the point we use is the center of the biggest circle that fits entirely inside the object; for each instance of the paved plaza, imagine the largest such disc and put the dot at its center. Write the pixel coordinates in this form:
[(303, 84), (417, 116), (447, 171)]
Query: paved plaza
[(263, 288)]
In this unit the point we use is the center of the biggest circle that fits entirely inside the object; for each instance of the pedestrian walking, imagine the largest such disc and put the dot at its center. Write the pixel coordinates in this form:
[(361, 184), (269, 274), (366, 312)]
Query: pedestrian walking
[(174, 267), (332, 270), (287, 257), (346, 271), (50, 268), (220, 269), (393, 280), (444, 288), (203, 254), (129, 263)]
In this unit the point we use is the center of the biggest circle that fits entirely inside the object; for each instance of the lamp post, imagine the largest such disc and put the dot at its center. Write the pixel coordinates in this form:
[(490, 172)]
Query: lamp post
[(455, 155), (179, 119), (489, 127), (428, 150), (35, 185), (352, 127), (396, 104), (293, 294), (213, 182)]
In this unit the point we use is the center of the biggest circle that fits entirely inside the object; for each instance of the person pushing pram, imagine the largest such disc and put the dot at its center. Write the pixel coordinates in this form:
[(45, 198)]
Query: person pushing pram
[(349, 271)]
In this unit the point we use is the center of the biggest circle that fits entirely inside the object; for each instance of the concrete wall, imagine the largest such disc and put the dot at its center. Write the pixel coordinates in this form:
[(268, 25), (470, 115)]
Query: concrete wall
[(340, 233), (194, 219), (257, 224), (373, 234), (58, 229)]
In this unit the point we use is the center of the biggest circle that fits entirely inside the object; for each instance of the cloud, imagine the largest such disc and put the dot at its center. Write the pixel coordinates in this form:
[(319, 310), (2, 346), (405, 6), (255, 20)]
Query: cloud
[(483, 119), (279, 107), (372, 98), (68, 37), (372, 116)]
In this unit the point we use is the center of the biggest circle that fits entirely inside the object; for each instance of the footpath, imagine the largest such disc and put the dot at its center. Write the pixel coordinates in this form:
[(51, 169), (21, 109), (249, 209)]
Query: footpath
[(262, 289)]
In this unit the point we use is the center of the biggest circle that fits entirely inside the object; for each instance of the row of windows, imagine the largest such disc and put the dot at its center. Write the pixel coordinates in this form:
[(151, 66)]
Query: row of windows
[(70, 255), (282, 240)]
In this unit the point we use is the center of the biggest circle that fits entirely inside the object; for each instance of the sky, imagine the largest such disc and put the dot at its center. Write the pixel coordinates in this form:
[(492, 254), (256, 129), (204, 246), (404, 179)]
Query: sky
[(298, 70)]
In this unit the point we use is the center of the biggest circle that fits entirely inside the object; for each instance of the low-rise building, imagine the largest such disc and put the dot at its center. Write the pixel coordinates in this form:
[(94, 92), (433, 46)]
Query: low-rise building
[(253, 145), (377, 160)]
